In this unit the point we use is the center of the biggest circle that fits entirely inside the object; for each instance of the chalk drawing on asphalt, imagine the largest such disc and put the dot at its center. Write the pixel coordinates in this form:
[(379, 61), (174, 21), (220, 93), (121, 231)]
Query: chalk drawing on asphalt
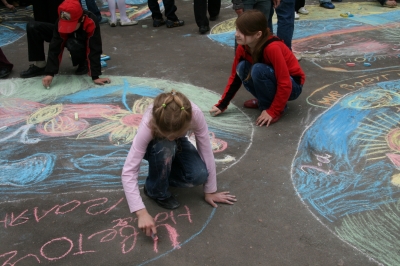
[(346, 169)]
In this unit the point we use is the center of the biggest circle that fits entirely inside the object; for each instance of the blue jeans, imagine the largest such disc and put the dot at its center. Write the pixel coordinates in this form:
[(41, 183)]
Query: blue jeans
[(285, 16), (173, 163), (262, 83)]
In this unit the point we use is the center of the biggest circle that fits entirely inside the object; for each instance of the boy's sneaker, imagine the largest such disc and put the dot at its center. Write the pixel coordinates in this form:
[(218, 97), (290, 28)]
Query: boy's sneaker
[(158, 22), (303, 10), (32, 71), (327, 5), (168, 203), (173, 24)]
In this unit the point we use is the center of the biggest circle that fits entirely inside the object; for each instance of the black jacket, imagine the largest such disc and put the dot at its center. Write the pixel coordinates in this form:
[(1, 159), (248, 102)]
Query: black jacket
[(89, 34)]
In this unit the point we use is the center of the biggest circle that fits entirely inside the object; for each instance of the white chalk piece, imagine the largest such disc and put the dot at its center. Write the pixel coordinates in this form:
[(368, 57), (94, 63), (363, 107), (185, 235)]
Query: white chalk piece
[(48, 88), (144, 26), (3, 128), (76, 116)]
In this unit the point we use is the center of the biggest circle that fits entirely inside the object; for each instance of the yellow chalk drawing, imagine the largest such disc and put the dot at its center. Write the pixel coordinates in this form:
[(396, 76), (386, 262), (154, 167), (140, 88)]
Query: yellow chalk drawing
[(396, 180), (44, 114), (122, 126), (375, 232), (225, 26)]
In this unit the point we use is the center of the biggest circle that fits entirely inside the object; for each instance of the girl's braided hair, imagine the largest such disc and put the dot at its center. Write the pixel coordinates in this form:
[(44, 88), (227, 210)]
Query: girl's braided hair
[(172, 112)]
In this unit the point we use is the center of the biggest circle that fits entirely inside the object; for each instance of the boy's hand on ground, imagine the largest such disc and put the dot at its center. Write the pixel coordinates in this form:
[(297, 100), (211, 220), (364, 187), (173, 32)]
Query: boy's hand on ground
[(46, 81), (215, 111), (102, 81), (146, 222), (222, 197), (264, 119)]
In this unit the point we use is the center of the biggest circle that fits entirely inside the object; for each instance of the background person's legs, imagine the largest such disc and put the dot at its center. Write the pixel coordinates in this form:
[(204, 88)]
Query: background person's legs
[(37, 33), (285, 25)]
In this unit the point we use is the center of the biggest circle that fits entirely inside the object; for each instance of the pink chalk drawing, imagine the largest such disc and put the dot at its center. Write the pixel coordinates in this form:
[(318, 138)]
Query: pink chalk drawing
[(122, 230), (217, 145), (322, 159)]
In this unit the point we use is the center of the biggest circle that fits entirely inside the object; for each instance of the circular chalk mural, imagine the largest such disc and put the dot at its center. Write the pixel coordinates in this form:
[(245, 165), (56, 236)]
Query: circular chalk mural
[(62, 151), (347, 168)]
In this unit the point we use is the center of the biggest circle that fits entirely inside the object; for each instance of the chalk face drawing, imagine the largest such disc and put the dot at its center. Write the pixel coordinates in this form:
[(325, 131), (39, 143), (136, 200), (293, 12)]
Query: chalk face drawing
[(64, 165), (347, 169)]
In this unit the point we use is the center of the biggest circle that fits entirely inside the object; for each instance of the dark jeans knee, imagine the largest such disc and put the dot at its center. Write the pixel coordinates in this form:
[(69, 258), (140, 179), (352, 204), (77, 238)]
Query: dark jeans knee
[(242, 69)]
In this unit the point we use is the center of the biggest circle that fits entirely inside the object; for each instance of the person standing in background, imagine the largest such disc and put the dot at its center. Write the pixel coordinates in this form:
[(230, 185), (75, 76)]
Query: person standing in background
[(200, 13)]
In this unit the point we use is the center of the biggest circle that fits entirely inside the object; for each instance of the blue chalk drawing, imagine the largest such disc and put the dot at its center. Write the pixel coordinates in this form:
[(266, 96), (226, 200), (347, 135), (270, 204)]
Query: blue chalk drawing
[(339, 169), (27, 171)]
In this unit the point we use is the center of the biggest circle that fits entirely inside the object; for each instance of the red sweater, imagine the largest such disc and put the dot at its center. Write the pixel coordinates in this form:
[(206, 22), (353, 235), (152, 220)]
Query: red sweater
[(278, 56)]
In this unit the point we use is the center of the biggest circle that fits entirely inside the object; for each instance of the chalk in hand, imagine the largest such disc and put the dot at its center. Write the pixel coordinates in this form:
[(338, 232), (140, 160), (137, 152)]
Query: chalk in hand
[(76, 116), (48, 88), (154, 236)]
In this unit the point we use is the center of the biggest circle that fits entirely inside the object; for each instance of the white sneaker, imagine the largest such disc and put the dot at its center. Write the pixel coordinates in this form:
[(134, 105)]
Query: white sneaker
[(112, 23), (128, 23), (296, 16), (303, 11)]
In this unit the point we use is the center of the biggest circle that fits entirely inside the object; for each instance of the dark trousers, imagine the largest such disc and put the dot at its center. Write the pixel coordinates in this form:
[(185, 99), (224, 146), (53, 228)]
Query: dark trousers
[(4, 63), (200, 10), (169, 6), (40, 32), (299, 4), (174, 163), (92, 7), (46, 10)]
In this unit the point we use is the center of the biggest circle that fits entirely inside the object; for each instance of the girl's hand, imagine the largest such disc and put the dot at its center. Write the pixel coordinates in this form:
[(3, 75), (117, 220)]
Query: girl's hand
[(102, 81), (146, 222), (215, 111), (263, 119), (222, 197)]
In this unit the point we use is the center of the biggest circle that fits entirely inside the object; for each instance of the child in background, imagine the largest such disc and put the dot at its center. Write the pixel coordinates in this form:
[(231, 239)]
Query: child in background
[(124, 20), (173, 160), (267, 68)]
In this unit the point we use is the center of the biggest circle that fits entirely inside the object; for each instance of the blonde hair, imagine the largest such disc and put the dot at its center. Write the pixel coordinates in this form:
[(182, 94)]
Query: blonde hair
[(172, 112)]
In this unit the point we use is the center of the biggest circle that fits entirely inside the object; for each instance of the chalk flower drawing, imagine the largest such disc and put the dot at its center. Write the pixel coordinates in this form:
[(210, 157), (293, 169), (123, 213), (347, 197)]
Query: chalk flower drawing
[(121, 126)]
